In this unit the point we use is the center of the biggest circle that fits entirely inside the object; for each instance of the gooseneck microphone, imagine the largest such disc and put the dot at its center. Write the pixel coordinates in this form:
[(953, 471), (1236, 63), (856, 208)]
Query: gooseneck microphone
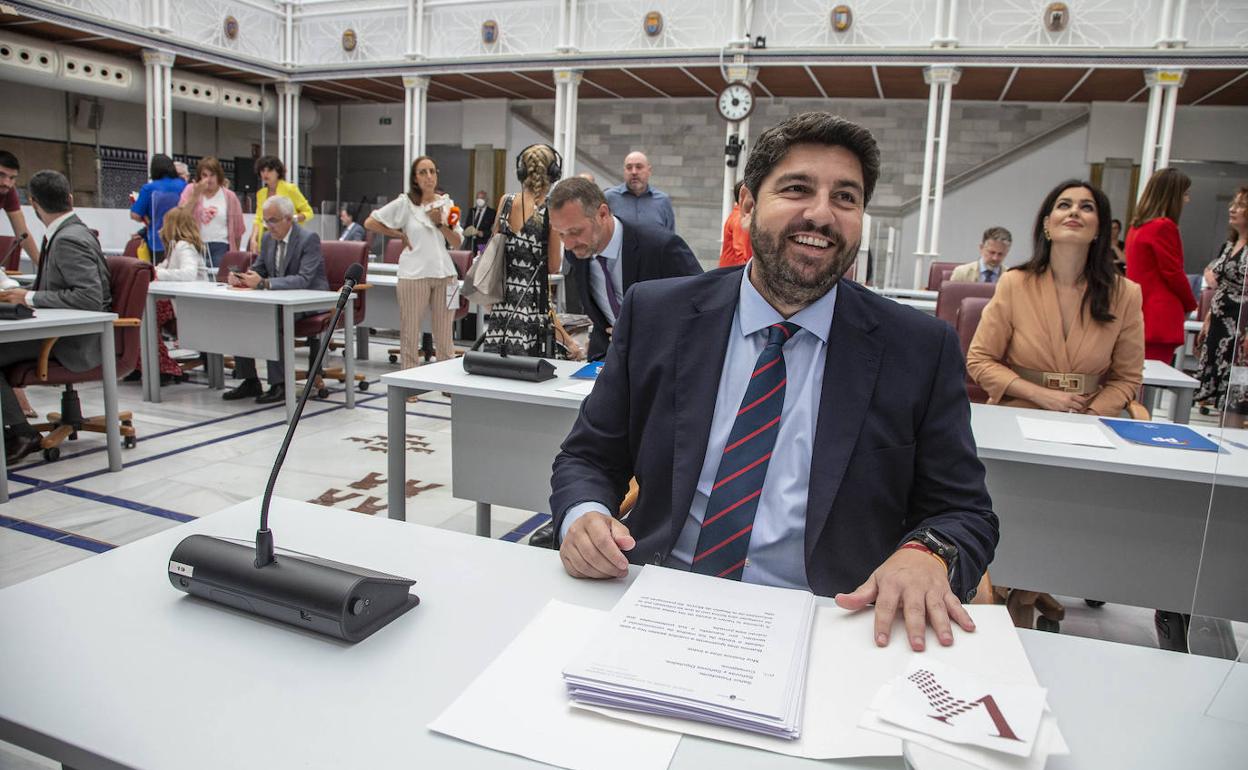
[(508, 366), (327, 597)]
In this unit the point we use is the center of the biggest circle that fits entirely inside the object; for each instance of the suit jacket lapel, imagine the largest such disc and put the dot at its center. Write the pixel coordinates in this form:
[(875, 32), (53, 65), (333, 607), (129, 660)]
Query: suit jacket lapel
[(851, 367), (698, 363), (630, 260), (45, 261), (1050, 313)]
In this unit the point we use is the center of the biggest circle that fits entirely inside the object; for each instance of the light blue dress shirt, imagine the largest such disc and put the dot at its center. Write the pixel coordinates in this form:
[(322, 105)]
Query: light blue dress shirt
[(984, 270), (777, 554), (651, 209), (597, 281)]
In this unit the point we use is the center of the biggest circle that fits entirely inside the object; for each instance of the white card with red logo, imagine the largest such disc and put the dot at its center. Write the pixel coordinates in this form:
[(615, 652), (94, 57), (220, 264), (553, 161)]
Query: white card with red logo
[(953, 705)]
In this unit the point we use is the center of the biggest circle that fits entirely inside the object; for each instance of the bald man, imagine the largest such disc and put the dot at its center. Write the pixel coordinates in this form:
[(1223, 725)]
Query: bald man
[(636, 202)]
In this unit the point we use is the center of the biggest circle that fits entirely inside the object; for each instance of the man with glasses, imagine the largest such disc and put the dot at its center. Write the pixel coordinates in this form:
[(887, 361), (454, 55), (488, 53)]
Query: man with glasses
[(290, 258)]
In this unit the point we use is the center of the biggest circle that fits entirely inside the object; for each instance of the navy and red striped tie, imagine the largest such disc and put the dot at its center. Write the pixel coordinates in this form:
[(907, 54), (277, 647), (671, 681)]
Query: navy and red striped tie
[(725, 537)]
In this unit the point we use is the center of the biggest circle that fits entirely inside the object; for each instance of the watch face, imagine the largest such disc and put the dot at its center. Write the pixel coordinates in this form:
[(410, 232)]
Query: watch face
[(736, 102)]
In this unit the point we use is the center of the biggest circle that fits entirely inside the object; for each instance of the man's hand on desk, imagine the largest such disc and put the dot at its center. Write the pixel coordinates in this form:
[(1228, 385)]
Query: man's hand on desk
[(917, 584), (594, 547), (15, 296), (248, 280)]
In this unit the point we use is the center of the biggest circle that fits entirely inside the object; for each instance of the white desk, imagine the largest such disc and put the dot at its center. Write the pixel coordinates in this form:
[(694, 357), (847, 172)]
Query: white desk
[(1125, 525), (112, 667), (218, 320), (927, 294), (1157, 376), (56, 322)]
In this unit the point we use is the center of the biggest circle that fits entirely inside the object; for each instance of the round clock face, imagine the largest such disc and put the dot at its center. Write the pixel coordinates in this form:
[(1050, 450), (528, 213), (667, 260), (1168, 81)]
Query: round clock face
[(736, 102)]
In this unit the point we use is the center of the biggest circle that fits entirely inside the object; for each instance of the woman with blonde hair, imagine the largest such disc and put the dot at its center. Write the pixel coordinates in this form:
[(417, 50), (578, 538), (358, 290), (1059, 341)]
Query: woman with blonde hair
[(426, 272), (520, 323), (1224, 338), (1155, 262), (184, 261)]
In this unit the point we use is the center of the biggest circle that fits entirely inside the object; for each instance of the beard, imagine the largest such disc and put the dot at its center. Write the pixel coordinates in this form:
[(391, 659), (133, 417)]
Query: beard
[(781, 276)]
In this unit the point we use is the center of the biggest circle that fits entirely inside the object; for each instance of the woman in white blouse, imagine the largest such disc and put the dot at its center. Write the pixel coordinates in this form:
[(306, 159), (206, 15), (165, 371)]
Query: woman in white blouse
[(184, 261), (426, 273)]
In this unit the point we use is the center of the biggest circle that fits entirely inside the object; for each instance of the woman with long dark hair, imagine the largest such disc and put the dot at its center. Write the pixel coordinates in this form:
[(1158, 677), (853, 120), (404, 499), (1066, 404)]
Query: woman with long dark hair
[(1155, 262), (1225, 349), (426, 272)]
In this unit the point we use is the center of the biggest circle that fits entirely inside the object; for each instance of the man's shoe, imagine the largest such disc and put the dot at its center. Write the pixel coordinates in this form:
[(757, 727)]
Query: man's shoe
[(245, 389), (544, 536), (274, 395), (18, 447)]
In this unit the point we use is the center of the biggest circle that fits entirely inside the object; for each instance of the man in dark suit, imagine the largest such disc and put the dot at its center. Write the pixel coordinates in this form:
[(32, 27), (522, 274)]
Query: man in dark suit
[(480, 223), (72, 274), (603, 247), (786, 427), (290, 258)]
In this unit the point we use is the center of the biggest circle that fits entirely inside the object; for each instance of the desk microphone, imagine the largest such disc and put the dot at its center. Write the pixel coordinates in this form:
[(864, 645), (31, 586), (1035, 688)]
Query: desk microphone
[(503, 365), (17, 244), (327, 597)]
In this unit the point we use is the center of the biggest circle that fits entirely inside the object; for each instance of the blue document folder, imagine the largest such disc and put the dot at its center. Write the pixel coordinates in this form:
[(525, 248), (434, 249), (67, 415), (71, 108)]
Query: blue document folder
[(588, 371), (1161, 434)]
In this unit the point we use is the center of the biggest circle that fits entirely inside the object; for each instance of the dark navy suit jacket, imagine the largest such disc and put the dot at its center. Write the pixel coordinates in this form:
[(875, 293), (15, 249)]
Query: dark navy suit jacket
[(892, 452)]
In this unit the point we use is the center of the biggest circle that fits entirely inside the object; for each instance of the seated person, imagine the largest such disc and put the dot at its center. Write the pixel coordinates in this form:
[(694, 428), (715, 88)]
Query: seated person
[(1065, 330), (72, 274), (994, 247), (351, 230), (184, 262), (786, 427), (290, 258)]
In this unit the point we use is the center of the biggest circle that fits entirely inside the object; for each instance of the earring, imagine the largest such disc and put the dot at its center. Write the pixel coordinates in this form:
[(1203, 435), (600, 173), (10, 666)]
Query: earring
[(1046, 234)]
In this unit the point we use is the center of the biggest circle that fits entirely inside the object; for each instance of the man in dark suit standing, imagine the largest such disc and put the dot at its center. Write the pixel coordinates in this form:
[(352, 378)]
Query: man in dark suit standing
[(786, 427), (480, 223), (290, 258), (606, 247), (72, 274)]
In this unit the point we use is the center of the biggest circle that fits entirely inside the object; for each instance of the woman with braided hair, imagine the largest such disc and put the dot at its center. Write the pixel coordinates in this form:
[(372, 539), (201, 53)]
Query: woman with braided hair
[(520, 324)]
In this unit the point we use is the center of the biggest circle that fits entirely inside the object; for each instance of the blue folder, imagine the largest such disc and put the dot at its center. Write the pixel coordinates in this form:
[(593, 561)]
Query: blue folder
[(1162, 434), (588, 371)]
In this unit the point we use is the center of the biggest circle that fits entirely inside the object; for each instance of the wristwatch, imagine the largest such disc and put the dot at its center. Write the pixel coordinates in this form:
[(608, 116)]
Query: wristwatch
[(947, 551)]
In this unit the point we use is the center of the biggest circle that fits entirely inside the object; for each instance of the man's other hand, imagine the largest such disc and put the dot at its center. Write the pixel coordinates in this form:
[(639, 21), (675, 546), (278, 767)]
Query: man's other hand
[(594, 547), (917, 584)]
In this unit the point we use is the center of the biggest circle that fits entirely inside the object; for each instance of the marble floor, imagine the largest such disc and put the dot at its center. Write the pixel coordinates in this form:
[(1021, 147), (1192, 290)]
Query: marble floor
[(197, 454)]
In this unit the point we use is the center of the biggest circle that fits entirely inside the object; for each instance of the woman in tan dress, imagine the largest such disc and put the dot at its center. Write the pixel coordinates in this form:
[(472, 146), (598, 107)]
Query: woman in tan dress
[(1063, 332)]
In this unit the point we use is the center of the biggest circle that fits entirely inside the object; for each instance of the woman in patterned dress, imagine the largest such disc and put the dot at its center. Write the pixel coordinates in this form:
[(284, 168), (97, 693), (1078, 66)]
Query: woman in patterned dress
[(521, 321), (1225, 340)]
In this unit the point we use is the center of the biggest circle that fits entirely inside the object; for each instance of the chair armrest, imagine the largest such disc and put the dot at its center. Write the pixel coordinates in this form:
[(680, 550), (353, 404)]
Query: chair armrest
[(630, 498), (127, 322), (1137, 411), (361, 287), (41, 371)]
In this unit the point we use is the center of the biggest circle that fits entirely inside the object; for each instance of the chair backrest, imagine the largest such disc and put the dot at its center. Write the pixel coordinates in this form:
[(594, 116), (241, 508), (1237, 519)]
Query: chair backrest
[(131, 248), (339, 255), (1206, 300), (463, 261), (237, 259), (970, 310), (394, 247), (10, 258), (951, 294), (938, 273), (128, 279), (1194, 280)]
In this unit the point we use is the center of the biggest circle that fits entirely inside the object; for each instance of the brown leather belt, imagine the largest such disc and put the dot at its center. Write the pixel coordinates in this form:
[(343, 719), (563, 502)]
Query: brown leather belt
[(1083, 384)]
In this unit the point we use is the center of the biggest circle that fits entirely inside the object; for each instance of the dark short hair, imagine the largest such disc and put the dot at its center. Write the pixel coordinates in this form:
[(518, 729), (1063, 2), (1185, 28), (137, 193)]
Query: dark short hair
[(577, 189), (736, 190), (50, 189), (9, 160), (997, 234), (271, 163), (813, 128), (162, 167)]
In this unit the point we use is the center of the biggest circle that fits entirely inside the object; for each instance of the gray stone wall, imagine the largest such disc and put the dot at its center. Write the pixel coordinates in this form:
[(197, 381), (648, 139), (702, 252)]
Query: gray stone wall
[(684, 140)]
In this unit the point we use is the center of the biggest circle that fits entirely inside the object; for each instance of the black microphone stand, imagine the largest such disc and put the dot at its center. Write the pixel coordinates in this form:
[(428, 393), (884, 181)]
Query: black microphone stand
[(502, 364)]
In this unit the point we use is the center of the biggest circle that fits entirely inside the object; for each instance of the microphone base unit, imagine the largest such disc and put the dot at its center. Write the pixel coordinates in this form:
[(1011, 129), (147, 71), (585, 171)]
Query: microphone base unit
[(339, 600), (509, 367)]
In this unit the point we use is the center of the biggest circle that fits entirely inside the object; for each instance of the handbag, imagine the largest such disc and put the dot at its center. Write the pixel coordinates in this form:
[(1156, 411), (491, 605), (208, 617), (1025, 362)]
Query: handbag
[(483, 283), (11, 311)]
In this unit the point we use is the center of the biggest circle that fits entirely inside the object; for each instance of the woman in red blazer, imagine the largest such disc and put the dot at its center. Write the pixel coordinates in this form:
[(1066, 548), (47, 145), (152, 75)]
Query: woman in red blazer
[(1155, 262)]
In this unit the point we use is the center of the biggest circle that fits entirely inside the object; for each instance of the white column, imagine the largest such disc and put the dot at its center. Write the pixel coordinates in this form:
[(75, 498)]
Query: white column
[(158, 67), (415, 29), (941, 80), (567, 84), (288, 38), (159, 18), (1163, 95), (288, 128), (415, 91)]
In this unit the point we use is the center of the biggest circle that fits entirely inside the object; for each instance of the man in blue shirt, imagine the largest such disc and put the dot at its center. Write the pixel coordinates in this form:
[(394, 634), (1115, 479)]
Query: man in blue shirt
[(638, 204), (786, 427)]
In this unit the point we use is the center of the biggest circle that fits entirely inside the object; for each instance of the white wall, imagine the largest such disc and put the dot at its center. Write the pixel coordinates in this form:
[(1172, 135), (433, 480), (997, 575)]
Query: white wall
[(1200, 133), (362, 126)]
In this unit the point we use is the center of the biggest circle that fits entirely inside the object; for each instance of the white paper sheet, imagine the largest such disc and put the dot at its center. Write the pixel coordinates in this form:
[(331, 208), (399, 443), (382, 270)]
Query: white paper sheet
[(1062, 432), (581, 388), (519, 705)]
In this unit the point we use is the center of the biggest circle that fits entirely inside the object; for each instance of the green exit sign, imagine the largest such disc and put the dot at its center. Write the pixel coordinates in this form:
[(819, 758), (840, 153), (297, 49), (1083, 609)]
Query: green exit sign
[(385, 121)]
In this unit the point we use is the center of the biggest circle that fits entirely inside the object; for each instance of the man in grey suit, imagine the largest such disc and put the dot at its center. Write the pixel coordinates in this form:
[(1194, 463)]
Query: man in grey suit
[(72, 274), (290, 258)]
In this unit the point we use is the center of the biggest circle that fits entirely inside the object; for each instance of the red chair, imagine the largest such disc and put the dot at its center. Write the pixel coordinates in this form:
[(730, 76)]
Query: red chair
[(938, 273), (339, 255), (949, 299), (966, 321), (394, 247), (240, 260), (132, 246), (10, 254), (129, 279), (463, 261)]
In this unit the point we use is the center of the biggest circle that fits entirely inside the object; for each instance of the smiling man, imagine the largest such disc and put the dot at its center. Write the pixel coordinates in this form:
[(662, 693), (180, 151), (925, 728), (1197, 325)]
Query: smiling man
[(786, 427)]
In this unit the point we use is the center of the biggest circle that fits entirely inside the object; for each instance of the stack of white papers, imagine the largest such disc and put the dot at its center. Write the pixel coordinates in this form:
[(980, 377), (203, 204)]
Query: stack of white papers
[(700, 648)]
